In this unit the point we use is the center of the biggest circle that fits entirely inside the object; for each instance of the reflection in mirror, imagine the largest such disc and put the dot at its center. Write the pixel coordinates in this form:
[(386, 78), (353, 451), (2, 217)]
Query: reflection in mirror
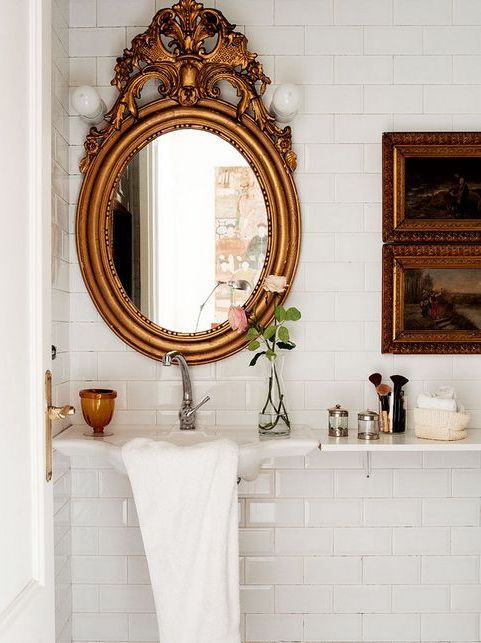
[(189, 230)]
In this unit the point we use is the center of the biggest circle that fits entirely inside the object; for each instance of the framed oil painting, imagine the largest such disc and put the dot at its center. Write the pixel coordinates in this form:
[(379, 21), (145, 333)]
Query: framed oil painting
[(431, 299), (432, 187), (241, 235)]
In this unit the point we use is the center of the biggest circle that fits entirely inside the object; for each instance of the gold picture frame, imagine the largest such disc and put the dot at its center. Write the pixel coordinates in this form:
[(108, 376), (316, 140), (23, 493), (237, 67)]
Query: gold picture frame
[(422, 196), (429, 305)]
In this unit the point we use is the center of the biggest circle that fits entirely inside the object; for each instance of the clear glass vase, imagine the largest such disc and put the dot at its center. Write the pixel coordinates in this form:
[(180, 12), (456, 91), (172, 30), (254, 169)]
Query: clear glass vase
[(273, 417)]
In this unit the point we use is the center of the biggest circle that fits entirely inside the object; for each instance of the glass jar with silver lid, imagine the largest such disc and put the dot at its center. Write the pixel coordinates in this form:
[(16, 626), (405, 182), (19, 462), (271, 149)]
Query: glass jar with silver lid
[(338, 422), (368, 425)]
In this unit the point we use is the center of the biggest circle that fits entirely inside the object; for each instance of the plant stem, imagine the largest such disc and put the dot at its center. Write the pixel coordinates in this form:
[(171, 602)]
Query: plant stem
[(279, 409), (269, 396)]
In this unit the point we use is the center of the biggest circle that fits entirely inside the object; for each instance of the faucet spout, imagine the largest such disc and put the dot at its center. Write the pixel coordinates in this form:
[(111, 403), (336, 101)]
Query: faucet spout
[(175, 357), (187, 411)]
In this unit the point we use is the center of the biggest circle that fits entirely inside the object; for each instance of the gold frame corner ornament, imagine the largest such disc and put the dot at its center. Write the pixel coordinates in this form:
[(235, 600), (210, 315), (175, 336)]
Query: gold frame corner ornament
[(173, 53)]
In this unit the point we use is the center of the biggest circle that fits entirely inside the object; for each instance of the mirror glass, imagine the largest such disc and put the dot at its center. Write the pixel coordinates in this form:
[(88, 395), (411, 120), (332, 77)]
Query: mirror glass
[(189, 230)]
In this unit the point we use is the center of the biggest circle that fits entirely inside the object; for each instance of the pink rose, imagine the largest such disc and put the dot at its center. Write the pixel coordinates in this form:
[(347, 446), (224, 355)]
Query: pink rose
[(238, 319)]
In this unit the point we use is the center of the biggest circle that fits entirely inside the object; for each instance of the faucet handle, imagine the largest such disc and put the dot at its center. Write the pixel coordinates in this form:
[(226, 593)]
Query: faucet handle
[(191, 411)]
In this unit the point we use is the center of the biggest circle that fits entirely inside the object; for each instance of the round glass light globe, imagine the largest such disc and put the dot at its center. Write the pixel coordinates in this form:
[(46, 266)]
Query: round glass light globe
[(86, 101), (286, 102)]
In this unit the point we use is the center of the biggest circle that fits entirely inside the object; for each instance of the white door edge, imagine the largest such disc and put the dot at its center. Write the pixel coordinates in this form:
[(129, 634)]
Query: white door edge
[(29, 616)]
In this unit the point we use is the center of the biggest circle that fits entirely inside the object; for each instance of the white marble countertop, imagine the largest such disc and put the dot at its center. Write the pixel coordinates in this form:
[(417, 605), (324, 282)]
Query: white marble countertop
[(253, 450), (245, 435)]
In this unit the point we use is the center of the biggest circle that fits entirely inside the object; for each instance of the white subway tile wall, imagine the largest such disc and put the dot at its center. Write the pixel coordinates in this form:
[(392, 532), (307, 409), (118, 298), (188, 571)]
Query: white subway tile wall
[(61, 228), (326, 553), (386, 560), (61, 316)]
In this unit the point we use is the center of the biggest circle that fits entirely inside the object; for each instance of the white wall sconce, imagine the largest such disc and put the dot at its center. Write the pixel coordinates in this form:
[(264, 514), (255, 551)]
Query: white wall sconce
[(286, 102), (87, 102)]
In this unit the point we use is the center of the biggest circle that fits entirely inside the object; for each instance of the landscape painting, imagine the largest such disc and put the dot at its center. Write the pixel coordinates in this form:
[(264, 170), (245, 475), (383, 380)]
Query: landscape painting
[(442, 299), (431, 298), (443, 188)]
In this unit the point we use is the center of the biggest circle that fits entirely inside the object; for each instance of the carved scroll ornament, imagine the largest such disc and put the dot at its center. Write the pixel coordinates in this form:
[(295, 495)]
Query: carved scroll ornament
[(188, 50)]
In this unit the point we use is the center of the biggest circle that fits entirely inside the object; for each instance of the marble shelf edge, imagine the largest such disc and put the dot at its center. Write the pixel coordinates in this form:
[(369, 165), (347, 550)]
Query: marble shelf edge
[(397, 442), (387, 442)]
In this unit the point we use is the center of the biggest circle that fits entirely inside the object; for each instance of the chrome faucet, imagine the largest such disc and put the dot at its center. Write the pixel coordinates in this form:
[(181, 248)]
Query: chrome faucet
[(187, 411)]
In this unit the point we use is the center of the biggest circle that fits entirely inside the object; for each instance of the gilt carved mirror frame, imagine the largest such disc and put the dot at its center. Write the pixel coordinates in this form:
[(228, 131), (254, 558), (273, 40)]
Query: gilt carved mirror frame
[(173, 52)]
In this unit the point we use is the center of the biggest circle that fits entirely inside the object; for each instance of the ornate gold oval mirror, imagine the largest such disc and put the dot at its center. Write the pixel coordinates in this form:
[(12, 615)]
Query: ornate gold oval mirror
[(188, 202)]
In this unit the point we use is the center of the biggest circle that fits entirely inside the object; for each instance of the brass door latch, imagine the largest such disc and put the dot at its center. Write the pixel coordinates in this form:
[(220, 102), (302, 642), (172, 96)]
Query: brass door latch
[(60, 412), (52, 414)]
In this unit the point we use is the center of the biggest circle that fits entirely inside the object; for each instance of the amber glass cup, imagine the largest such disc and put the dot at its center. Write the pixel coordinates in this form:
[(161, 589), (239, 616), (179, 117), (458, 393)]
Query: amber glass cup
[(98, 408)]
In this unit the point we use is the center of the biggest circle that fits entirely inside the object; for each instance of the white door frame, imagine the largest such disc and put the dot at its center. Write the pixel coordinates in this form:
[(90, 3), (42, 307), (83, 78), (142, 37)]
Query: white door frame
[(27, 609)]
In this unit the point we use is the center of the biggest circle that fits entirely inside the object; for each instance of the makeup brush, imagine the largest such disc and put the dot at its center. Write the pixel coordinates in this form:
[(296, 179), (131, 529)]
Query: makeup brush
[(384, 392), (398, 411), (383, 389), (399, 381), (375, 379)]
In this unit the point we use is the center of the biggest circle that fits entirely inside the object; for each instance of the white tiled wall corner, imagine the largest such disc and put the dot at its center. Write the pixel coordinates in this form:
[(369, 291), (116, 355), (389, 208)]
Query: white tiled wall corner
[(320, 542), (60, 201), (61, 310), (62, 549)]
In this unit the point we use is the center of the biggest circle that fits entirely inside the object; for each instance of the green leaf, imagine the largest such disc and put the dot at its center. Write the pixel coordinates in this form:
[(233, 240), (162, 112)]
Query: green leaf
[(280, 313), (270, 355), (283, 334), (293, 314), (287, 346), (252, 333), (253, 361), (253, 346), (269, 332)]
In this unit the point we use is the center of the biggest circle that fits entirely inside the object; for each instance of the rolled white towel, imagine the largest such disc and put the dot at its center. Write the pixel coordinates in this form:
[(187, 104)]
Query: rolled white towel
[(442, 404), (445, 392)]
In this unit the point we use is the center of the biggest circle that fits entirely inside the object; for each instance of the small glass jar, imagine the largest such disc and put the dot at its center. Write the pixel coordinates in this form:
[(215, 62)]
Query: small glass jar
[(338, 422), (368, 425)]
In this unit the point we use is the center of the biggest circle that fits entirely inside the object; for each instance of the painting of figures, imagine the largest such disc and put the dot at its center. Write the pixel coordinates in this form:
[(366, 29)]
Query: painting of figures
[(442, 299), (241, 235), (431, 299), (431, 187), (443, 188)]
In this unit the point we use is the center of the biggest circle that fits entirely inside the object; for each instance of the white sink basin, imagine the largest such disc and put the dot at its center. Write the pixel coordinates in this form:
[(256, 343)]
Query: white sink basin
[(252, 450)]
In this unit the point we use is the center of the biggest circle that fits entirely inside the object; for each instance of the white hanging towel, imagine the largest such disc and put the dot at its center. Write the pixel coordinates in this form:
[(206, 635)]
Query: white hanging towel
[(186, 499)]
